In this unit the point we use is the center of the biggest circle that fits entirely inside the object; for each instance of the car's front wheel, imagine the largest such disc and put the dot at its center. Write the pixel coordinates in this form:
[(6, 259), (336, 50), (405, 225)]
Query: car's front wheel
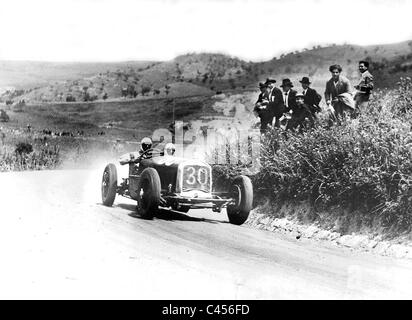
[(148, 195), (241, 191), (109, 184)]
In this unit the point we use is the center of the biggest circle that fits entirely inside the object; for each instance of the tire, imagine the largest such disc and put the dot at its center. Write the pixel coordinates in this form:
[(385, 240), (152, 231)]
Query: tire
[(109, 184), (148, 193), (242, 191)]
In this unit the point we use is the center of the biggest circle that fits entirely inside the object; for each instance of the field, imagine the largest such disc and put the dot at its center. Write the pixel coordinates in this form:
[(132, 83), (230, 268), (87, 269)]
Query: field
[(75, 132)]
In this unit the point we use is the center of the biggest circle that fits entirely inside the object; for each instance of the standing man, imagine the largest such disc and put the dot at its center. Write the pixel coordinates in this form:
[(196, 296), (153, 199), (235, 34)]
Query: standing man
[(364, 87), (262, 107), (311, 97), (275, 102), (289, 95), (338, 94), (288, 98)]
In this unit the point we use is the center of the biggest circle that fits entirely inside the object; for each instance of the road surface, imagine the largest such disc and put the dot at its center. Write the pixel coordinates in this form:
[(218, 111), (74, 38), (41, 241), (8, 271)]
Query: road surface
[(58, 242)]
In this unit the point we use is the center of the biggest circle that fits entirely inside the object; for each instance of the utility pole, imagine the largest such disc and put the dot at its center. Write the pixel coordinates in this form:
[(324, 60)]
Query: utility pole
[(173, 121)]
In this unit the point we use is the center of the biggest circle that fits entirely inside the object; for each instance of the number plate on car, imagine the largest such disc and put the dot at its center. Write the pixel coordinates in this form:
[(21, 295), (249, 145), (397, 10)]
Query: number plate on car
[(196, 177)]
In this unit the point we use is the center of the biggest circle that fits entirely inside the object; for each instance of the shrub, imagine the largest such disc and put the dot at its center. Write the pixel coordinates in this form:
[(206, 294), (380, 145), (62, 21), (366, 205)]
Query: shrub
[(364, 165), (146, 89), (23, 148), (4, 117)]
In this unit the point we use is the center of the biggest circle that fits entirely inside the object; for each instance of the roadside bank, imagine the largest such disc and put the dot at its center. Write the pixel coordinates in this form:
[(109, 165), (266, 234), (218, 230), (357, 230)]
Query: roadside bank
[(335, 225)]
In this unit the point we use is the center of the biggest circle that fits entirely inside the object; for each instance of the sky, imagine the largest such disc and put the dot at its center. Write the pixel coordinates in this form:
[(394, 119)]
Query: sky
[(119, 30)]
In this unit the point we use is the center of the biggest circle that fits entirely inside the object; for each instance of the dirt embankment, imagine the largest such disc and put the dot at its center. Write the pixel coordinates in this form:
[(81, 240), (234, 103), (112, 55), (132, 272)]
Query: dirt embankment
[(335, 225)]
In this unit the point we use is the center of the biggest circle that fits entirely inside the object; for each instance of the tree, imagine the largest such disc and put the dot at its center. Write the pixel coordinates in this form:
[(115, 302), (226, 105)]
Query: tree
[(232, 83), (4, 117), (145, 89), (130, 90), (70, 98)]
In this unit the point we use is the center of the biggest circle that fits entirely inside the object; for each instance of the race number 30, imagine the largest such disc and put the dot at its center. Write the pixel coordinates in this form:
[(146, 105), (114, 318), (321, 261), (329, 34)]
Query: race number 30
[(194, 176)]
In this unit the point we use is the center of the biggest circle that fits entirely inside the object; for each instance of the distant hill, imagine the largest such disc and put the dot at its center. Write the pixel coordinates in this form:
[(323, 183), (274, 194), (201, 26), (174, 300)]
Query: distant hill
[(316, 61), (30, 74), (197, 74)]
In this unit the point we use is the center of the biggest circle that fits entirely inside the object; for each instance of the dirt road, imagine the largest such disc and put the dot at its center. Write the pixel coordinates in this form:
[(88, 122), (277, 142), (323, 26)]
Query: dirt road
[(58, 241)]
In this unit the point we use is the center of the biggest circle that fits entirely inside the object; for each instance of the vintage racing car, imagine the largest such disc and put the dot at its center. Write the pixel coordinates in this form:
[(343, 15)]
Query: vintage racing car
[(178, 183)]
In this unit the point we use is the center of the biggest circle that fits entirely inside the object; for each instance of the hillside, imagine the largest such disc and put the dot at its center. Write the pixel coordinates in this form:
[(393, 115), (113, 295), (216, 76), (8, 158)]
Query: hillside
[(316, 61), (31, 74), (200, 74)]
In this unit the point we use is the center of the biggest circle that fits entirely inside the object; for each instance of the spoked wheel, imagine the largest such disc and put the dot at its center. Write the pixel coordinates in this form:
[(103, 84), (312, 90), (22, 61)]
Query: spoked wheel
[(148, 193), (109, 184), (241, 191)]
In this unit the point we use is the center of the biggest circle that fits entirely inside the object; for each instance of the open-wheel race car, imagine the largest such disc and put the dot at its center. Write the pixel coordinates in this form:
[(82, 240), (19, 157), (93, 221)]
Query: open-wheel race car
[(177, 183)]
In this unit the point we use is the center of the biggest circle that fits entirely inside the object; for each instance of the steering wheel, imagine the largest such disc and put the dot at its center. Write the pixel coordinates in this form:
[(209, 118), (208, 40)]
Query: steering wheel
[(138, 159)]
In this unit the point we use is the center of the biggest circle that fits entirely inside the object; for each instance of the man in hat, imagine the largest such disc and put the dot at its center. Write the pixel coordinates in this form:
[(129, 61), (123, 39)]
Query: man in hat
[(289, 95), (300, 112), (338, 94), (364, 87), (312, 98), (275, 102), (262, 109), (263, 94)]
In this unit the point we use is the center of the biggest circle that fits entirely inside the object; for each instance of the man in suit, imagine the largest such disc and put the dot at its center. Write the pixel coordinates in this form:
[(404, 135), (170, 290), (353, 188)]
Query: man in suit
[(338, 94), (275, 102), (288, 95), (300, 112), (262, 109), (311, 97), (364, 87)]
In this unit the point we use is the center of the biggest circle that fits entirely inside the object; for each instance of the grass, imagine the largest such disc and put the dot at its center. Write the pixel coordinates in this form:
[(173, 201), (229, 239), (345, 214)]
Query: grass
[(364, 165)]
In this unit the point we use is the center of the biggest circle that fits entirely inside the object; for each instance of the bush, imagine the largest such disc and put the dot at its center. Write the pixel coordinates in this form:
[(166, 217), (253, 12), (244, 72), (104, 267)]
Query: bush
[(146, 89), (23, 148), (364, 164), (4, 117)]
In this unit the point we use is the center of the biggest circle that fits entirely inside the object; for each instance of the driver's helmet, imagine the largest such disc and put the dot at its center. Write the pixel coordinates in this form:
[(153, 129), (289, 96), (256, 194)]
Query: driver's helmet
[(145, 144), (169, 149)]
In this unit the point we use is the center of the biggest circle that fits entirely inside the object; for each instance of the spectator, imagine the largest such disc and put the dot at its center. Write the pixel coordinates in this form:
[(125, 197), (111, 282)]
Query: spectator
[(289, 95), (338, 95), (364, 87), (300, 112), (312, 98), (262, 107), (276, 106)]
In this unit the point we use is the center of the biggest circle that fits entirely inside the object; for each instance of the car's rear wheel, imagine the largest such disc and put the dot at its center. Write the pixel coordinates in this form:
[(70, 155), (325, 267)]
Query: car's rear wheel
[(148, 194), (109, 184), (241, 191)]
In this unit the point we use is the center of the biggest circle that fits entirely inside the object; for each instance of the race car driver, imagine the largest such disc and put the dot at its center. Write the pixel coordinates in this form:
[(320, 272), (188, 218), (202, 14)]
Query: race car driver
[(143, 153)]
